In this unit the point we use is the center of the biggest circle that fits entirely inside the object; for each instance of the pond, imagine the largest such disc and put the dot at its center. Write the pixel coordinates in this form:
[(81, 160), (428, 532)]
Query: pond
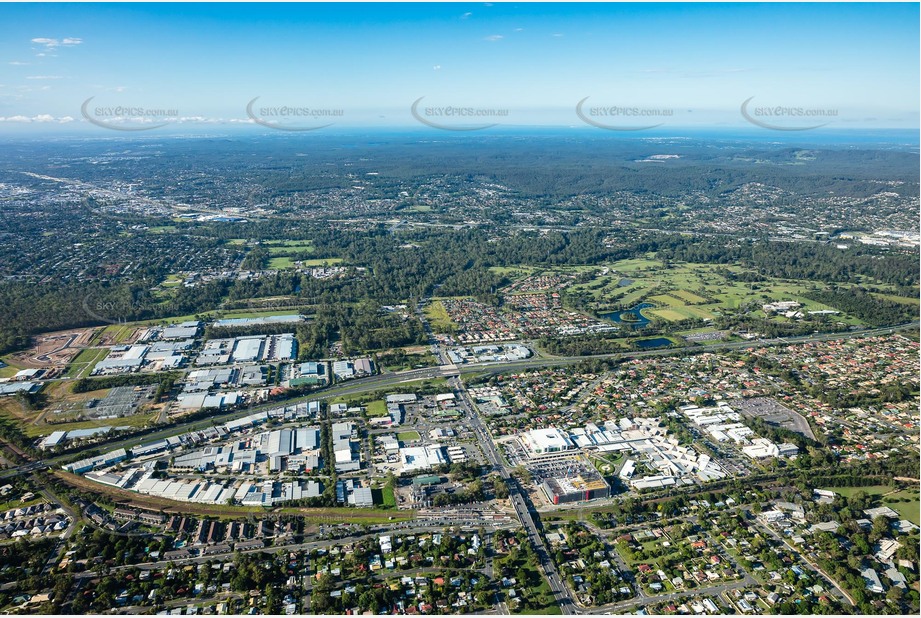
[(658, 342), (631, 317)]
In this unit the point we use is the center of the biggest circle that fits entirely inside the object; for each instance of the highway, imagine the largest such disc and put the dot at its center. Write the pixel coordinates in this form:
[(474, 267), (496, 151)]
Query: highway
[(445, 370), (385, 380), (517, 496)]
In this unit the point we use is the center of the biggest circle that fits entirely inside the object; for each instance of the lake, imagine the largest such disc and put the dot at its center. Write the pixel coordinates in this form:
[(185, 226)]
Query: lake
[(639, 322)]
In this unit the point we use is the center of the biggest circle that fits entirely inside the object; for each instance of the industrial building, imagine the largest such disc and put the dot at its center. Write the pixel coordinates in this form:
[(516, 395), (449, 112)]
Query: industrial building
[(260, 321), (347, 369), (349, 492), (347, 459), (419, 458), (268, 348)]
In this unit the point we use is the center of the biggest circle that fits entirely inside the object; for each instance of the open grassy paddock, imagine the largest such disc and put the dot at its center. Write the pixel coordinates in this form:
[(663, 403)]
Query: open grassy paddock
[(438, 317), (290, 247), (331, 261), (378, 407), (903, 500), (83, 363)]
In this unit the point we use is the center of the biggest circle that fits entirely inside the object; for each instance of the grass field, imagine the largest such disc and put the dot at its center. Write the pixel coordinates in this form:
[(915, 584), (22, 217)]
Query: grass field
[(116, 333), (19, 504), (384, 497), (666, 300), (171, 281), (675, 314), (281, 263), (300, 245), (689, 297), (908, 510), (136, 420), (891, 497), (377, 408), (10, 370), (438, 317), (513, 272), (321, 262), (896, 299), (291, 247), (408, 436), (257, 314), (667, 314), (84, 362)]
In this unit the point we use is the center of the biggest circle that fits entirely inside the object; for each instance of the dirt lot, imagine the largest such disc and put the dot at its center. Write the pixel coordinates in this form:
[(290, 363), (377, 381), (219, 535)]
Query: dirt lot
[(54, 350)]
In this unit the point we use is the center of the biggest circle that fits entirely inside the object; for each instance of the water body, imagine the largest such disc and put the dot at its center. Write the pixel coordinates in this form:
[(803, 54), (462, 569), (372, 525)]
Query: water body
[(658, 342), (636, 322)]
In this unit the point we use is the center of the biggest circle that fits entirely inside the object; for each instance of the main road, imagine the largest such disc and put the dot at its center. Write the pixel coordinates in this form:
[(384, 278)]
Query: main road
[(518, 499), (386, 380)]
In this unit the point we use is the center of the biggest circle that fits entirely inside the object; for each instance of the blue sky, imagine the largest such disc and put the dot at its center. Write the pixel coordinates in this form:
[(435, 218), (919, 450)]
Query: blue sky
[(684, 64)]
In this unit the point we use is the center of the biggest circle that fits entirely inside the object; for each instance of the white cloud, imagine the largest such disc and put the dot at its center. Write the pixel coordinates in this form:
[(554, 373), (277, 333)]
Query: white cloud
[(494, 37), (44, 77), (466, 15), (53, 43), (17, 63), (437, 67), (41, 118)]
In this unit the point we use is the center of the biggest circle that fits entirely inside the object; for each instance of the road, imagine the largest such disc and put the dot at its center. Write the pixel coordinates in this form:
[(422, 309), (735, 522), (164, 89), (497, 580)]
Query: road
[(841, 592), (518, 499), (384, 380), (291, 547)]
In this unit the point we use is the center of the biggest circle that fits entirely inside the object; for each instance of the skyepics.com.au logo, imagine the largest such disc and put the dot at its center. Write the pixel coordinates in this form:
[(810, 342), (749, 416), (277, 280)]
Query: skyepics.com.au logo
[(455, 118), (291, 117), (112, 311), (127, 117), (784, 117), (622, 118)]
